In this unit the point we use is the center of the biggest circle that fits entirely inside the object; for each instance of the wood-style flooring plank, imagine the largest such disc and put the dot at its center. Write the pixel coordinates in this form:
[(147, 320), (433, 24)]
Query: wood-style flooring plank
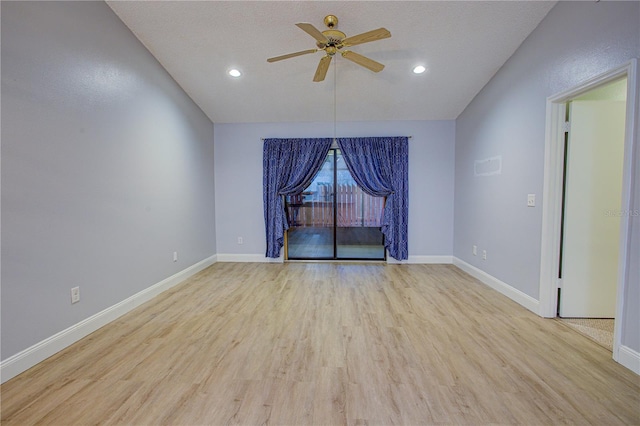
[(327, 344)]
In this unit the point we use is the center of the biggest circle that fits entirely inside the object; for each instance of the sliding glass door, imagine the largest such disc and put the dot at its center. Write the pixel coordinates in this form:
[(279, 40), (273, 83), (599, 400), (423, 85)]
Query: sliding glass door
[(333, 218), (358, 214), (310, 215)]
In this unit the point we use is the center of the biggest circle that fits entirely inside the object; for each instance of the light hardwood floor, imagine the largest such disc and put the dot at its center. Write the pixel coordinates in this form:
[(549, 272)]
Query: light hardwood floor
[(328, 344)]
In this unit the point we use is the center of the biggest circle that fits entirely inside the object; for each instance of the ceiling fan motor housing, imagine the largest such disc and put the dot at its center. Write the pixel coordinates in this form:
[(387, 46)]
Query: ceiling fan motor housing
[(334, 38)]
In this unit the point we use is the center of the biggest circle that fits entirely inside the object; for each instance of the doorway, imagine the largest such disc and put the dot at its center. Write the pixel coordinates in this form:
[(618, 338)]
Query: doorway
[(557, 218), (333, 218), (594, 156), (589, 252)]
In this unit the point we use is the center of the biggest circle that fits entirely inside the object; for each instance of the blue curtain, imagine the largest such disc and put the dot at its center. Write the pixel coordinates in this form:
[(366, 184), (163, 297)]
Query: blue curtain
[(381, 167), (289, 166)]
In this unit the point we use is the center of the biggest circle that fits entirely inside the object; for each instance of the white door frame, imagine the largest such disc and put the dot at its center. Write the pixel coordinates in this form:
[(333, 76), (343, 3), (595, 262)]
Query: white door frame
[(552, 192)]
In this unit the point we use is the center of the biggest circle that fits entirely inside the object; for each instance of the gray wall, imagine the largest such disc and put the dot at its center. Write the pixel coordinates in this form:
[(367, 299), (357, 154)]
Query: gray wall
[(106, 169), (576, 41), (238, 169)]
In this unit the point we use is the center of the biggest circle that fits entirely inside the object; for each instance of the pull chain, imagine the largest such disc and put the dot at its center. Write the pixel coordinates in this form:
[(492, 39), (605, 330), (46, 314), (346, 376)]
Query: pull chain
[(335, 83)]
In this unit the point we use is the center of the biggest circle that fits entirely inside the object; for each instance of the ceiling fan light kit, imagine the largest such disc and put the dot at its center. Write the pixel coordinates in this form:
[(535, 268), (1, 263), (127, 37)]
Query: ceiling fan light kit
[(332, 41)]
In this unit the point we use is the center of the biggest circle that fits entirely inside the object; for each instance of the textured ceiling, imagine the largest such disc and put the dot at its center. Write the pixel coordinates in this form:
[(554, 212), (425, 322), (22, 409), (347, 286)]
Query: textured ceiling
[(461, 43)]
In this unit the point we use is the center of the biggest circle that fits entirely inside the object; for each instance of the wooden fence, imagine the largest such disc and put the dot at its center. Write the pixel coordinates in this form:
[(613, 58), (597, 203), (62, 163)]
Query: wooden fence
[(354, 207)]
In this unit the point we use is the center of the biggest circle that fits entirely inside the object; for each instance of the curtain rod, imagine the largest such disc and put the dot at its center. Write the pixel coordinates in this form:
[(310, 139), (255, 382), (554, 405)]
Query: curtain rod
[(409, 137)]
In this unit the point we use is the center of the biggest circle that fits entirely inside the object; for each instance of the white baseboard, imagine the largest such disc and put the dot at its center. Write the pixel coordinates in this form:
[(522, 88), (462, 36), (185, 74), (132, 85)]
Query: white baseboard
[(626, 356), (512, 293), (629, 358), (260, 258), (251, 258), (31, 356), (422, 260)]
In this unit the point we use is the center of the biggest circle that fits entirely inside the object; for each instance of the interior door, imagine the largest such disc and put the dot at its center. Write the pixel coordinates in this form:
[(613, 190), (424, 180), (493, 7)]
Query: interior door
[(593, 198)]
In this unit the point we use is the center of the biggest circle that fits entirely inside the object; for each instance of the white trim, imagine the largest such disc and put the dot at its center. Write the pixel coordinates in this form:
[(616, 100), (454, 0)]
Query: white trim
[(31, 356), (551, 206), (248, 258), (422, 260), (552, 195), (260, 258), (629, 171), (512, 293), (629, 358)]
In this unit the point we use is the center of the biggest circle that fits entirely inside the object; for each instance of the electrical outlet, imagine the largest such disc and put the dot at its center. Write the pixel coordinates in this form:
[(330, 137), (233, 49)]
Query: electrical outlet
[(474, 250), (175, 256), (240, 240), (75, 295), (484, 254)]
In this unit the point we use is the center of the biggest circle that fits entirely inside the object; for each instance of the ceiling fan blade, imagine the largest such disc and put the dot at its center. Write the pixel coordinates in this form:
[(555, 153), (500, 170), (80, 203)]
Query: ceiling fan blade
[(313, 32), (292, 55), (372, 35), (363, 60), (323, 67)]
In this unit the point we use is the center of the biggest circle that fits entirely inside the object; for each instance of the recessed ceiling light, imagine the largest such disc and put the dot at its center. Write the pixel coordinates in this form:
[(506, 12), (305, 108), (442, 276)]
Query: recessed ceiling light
[(234, 73), (419, 69)]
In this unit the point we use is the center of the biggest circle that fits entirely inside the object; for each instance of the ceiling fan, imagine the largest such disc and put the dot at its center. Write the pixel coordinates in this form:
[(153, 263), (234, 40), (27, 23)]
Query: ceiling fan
[(333, 41)]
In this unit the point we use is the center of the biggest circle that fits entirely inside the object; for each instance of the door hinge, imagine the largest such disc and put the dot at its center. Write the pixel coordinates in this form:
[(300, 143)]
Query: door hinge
[(566, 126)]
